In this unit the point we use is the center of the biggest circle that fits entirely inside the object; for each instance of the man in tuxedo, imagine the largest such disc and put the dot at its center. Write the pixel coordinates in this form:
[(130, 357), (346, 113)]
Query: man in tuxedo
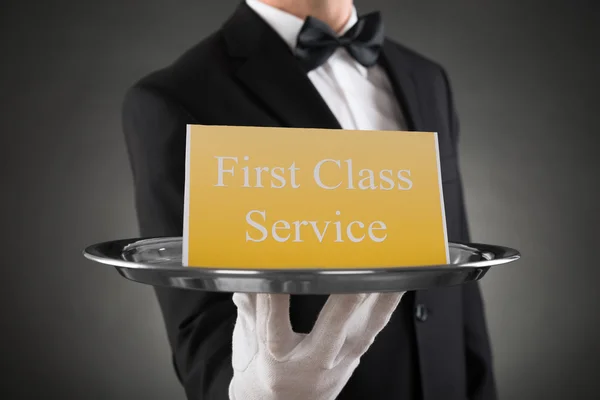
[(272, 65)]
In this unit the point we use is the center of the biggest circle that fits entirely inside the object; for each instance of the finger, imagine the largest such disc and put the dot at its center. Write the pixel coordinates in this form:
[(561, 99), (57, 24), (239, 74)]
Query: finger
[(273, 322), (278, 320), (329, 332), (377, 314), (245, 344), (246, 306), (337, 310)]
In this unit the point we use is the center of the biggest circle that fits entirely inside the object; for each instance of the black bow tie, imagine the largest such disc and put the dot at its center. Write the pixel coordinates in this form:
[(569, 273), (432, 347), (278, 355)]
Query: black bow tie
[(317, 41)]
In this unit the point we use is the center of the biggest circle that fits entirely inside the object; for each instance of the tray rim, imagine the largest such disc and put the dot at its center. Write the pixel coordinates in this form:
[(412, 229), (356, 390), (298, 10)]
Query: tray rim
[(92, 252)]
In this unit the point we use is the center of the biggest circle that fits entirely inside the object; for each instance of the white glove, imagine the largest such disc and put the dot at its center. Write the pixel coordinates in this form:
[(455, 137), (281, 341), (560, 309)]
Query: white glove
[(272, 362)]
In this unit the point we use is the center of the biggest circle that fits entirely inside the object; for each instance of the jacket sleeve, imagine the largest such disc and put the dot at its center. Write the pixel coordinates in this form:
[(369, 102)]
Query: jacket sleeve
[(480, 373), (199, 324)]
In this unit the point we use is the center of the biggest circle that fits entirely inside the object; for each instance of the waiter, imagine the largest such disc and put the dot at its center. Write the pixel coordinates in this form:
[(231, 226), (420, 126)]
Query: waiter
[(305, 64)]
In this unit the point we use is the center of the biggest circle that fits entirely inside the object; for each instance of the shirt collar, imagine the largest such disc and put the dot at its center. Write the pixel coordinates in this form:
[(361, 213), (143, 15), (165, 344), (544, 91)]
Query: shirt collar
[(288, 26)]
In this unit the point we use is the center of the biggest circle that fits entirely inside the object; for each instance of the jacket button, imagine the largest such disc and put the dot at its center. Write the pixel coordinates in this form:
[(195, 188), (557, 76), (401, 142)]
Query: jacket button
[(421, 313)]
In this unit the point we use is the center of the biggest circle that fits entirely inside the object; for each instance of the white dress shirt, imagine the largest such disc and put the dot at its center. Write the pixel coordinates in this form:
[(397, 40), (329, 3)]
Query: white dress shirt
[(360, 98)]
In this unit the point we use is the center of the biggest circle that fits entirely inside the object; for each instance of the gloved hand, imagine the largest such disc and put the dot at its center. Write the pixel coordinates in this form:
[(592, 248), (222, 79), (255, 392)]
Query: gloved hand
[(272, 362)]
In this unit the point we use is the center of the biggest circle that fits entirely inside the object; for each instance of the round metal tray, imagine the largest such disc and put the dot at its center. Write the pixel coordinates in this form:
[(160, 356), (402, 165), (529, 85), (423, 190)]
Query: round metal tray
[(157, 261)]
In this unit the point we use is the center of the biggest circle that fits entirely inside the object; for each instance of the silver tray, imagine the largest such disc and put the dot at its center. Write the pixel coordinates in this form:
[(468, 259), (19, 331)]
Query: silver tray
[(157, 262)]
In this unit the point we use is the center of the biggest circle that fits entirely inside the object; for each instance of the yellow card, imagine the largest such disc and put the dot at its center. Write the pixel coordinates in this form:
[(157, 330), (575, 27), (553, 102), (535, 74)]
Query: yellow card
[(312, 198)]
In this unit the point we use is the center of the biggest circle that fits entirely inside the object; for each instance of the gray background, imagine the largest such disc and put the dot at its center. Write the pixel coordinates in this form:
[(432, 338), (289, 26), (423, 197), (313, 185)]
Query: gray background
[(524, 74)]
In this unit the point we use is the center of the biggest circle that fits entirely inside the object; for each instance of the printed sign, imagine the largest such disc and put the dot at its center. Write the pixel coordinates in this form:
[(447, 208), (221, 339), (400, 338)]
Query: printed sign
[(312, 198)]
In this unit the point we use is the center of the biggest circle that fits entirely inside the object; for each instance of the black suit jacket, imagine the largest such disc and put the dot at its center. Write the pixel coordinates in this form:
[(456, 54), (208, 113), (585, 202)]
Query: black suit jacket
[(436, 344)]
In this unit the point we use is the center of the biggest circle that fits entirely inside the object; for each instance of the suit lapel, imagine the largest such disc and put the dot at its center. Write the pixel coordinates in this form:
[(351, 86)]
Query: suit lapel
[(403, 83), (268, 69)]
